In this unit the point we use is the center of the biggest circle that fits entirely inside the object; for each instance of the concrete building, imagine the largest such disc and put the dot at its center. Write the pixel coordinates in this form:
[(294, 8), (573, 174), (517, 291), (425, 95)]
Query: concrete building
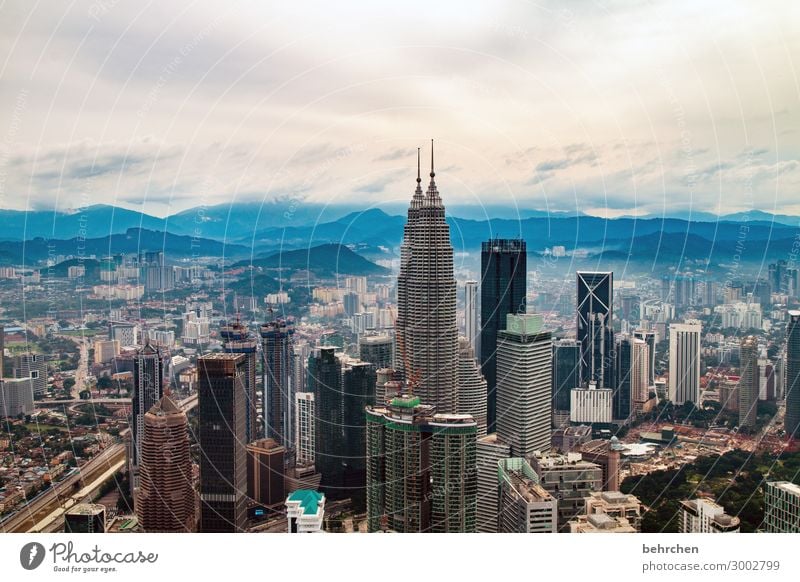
[(85, 518), (524, 384), (570, 480), (490, 451), (606, 454), (600, 523), (305, 511), (616, 505), (305, 428), (684, 362), (421, 468), (105, 351), (377, 350), (127, 334), (34, 368), (525, 506), (222, 411), (278, 397), (781, 507), (16, 397), (705, 516), (265, 472), (591, 405), (471, 385), (165, 499)]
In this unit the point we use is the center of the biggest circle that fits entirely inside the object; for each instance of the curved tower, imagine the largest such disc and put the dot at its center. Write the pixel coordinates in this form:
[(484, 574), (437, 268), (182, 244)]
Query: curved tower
[(427, 335)]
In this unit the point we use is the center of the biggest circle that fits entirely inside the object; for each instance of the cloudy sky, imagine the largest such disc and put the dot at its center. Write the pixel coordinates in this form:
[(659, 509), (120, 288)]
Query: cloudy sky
[(611, 108)]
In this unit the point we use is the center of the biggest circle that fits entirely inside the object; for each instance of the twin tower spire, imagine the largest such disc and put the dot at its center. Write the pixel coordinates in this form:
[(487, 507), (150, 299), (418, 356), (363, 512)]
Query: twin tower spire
[(432, 198)]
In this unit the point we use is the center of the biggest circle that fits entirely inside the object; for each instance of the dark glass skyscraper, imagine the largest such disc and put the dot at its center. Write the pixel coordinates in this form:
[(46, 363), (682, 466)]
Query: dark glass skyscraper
[(566, 372), (792, 421), (222, 404), (623, 387), (325, 381), (594, 327), (358, 392), (504, 265), (276, 343), (148, 388), (238, 340)]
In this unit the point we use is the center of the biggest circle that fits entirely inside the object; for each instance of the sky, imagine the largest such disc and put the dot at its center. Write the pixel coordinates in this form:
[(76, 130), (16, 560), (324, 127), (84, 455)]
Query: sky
[(608, 108)]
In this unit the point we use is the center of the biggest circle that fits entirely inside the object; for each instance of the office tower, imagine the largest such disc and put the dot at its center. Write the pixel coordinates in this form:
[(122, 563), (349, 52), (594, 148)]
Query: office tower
[(34, 368), (779, 276), (16, 397), (305, 428), (569, 479), (566, 374), (471, 386), (222, 404), (595, 314), (358, 392), (238, 340), (325, 381), (127, 334), (524, 402), (649, 338), (421, 473), (472, 327), (2, 352), (684, 362), (148, 388), (705, 516), (504, 266), (606, 454), (632, 389), (265, 472), (792, 381), (427, 334), (165, 500), (276, 345), (766, 380), (377, 350), (591, 405), (729, 395), (85, 518), (105, 351), (352, 303), (525, 506), (748, 382), (490, 450), (305, 511), (781, 507)]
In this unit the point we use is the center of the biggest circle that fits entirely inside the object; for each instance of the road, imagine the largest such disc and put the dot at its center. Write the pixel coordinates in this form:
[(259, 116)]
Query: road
[(83, 369), (60, 493)]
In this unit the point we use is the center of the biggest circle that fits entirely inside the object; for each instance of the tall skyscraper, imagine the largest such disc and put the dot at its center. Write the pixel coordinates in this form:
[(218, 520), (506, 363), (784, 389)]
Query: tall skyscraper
[(595, 314), (566, 373), (325, 381), (265, 472), (649, 338), (748, 381), (472, 328), (632, 388), (305, 428), (792, 421), (34, 367), (222, 404), (471, 386), (358, 392), (490, 451), (148, 388), (165, 501), (421, 473), (684, 362), (377, 350), (524, 384), (238, 340), (781, 507), (504, 264), (427, 334), (276, 343)]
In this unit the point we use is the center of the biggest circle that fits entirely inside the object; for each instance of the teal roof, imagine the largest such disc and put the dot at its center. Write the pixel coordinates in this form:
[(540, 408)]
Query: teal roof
[(308, 498)]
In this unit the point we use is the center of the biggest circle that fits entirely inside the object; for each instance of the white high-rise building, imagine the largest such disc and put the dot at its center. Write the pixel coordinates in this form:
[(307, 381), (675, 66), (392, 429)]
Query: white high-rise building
[(684, 362), (305, 434), (472, 328), (490, 451), (525, 506), (524, 384), (705, 516), (591, 405), (781, 507)]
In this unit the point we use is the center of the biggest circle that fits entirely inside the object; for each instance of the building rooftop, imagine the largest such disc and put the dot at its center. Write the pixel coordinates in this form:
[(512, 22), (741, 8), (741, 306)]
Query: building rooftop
[(308, 499), (787, 486)]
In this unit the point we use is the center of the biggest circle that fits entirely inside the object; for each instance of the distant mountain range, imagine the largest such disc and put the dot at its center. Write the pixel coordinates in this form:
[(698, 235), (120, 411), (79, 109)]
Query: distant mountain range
[(133, 240)]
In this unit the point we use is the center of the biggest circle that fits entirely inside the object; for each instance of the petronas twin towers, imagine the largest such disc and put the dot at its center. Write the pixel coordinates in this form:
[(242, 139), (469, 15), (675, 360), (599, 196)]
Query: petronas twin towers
[(427, 334)]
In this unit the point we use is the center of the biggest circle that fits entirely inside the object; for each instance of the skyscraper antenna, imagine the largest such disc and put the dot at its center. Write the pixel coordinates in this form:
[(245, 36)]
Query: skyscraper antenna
[(432, 172), (419, 179)]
